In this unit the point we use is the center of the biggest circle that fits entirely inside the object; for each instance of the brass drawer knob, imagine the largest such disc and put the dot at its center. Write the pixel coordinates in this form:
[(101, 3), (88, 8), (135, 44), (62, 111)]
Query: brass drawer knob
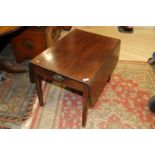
[(58, 77)]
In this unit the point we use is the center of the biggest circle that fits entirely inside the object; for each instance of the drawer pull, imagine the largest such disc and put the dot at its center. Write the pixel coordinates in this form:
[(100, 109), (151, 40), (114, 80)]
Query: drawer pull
[(28, 44), (58, 77)]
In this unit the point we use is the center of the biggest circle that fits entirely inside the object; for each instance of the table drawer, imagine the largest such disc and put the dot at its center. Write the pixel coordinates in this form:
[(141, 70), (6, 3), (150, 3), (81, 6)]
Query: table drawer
[(53, 76), (33, 40)]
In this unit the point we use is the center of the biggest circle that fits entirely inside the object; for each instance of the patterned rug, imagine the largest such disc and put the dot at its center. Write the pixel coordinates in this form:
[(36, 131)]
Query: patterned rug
[(122, 103), (16, 100)]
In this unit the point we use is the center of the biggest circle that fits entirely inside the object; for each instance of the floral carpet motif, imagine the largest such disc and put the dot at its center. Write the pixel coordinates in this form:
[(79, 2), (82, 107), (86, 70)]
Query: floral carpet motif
[(16, 100), (122, 103)]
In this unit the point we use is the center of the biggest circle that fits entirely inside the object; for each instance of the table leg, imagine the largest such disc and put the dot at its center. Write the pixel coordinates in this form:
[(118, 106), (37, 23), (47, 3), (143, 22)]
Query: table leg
[(85, 107), (109, 79), (38, 82)]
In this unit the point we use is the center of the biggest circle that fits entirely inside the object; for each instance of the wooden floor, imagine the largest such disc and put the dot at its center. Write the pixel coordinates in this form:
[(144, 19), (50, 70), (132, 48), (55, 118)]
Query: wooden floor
[(134, 46)]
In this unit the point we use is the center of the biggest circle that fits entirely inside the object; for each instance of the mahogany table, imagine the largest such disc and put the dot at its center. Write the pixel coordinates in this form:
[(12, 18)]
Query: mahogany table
[(81, 60)]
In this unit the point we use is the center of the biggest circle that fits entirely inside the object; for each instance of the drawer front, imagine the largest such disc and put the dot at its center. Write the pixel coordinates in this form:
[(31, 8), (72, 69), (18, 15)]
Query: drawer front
[(29, 43), (52, 76)]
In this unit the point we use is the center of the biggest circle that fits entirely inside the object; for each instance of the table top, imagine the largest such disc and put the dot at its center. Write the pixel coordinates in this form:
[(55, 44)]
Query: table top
[(8, 29), (79, 55)]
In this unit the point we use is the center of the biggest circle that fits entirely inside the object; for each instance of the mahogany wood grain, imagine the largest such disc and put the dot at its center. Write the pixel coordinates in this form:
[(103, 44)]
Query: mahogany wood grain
[(8, 29), (81, 60), (33, 40), (38, 82)]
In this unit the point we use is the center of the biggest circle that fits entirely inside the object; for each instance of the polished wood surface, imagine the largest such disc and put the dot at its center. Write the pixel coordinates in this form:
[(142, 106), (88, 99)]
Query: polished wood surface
[(81, 60), (79, 55), (33, 40), (4, 34), (8, 29), (137, 46)]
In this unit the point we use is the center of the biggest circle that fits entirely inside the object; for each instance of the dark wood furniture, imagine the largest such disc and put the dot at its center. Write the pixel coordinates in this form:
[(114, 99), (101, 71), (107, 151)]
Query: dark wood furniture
[(4, 30), (81, 60), (66, 28), (6, 33), (34, 40)]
